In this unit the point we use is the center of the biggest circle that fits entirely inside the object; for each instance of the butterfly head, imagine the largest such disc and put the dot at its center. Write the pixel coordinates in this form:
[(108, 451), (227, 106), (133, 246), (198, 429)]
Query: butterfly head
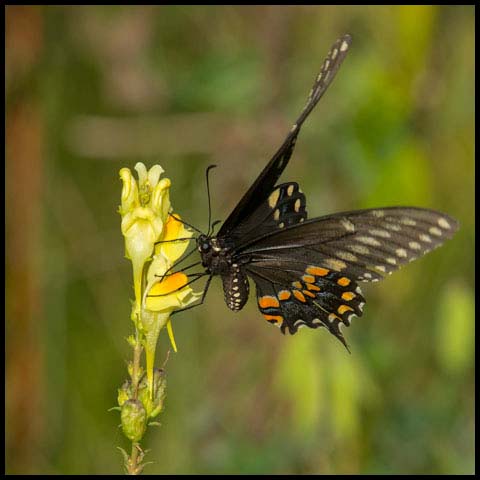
[(204, 244), (216, 255)]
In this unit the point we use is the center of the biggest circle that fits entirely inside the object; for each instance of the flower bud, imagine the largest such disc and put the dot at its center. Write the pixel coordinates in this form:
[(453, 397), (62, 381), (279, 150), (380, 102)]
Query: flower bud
[(159, 391), (153, 403), (134, 420)]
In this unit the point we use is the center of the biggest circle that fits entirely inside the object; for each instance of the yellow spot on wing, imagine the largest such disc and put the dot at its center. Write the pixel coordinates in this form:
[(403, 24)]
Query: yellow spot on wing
[(425, 238), (333, 317), (392, 226), (273, 198), (379, 233), (443, 223), (308, 278), (344, 281), (297, 285), (347, 225), (277, 318), (368, 241), (349, 257), (361, 249), (335, 264), (343, 46)]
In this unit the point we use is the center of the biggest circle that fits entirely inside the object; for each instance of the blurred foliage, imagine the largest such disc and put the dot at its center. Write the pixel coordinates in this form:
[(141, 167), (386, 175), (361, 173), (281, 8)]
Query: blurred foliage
[(92, 89)]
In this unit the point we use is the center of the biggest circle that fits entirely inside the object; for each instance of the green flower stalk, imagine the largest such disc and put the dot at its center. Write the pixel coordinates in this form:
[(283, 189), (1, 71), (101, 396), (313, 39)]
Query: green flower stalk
[(154, 240)]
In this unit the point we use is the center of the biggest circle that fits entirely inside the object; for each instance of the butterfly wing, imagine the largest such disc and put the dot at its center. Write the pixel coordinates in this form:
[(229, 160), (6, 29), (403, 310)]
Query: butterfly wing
[(292, 294), (285, 206), (263, 185), (307, 274)]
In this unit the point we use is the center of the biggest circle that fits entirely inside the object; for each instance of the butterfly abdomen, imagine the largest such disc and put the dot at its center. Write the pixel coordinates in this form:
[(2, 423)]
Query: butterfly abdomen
[(235, 288)]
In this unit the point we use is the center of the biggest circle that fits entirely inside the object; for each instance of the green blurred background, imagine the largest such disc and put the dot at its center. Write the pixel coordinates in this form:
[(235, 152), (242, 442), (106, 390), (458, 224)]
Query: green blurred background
[(92, 89)]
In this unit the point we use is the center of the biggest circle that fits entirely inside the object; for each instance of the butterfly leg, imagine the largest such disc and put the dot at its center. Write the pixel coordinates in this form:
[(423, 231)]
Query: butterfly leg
[(167, 273), (207, 285)]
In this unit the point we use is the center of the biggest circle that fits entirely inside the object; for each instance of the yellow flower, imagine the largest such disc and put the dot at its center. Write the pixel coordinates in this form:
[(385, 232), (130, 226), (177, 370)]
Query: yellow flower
[(144, 211), (165, 291), (151, 234)]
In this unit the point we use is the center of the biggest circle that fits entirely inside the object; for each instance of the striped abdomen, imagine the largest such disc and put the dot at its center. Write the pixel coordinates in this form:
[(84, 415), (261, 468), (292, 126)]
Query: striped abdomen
[(235, 288)]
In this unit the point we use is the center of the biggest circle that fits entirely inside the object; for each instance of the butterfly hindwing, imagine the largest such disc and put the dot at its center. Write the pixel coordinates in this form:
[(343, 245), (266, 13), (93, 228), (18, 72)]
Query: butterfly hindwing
[(309, 296)]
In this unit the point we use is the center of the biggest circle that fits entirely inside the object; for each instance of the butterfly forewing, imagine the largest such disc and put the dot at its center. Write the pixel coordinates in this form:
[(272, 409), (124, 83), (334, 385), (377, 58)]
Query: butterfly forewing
[(285, 206), (263, 185)]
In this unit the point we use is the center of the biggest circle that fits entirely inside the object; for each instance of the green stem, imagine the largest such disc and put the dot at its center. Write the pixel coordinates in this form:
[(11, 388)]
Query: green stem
[(134, 464), (136, 367)]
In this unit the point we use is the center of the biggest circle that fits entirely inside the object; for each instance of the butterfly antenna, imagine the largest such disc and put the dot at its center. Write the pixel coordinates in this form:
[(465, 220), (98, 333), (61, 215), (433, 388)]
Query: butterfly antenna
[(214, 224), (208, 195)]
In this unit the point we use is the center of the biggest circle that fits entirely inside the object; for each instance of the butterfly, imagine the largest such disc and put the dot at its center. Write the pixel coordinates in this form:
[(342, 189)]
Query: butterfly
[(307, 271)]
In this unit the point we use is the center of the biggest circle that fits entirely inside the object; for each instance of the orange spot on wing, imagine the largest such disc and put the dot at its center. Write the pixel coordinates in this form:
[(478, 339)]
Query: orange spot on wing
[(308, 278), (343, 308), (313, 287), (321, 272), (348, 296), (284, 294), (297, 284), (299, 296), (268, 301), (310, 294), (275, 318), (344, 281)]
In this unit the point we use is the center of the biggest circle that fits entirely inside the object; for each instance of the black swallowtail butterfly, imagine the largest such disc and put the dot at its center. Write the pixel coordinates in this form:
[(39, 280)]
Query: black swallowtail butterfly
[(306, 272)]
